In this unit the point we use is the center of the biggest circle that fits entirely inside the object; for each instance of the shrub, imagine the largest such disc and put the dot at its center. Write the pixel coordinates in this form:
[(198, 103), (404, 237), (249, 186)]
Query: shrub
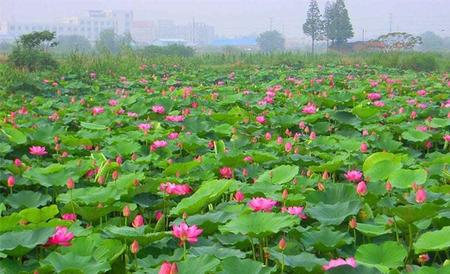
[(30, 52)]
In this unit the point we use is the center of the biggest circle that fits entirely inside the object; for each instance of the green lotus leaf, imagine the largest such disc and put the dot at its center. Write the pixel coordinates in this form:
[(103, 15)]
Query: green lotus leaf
[(388, 255), (14, 135), (26, 198), (233, 265), (259, 224), (73, 263), (279, 175), (304, 260), (199, 265), (208, 192), (19, 243), (404, 178), (433, 241), (380, 165), (414, 135)]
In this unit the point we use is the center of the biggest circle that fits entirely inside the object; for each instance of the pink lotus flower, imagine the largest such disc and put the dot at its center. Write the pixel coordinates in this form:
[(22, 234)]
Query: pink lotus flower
[(18, 162), (158, 109), (175, 118), (158, 144), (144, 127), (288, 147), (186, 233), (113, 102), (132, 114), (239, 196), (353, 175), (422, 92), (363, 147), (138, 221), (173, 135), (421, 196), (378, 103), (262, 204), (374, 96), (168, 268), (11, 181), (310, 108), (447, 138), (158, 215), (175, 189), (37, 150), (226, 172), (338, 262), (97, 110), (260, 119), (69, 216), (295, 210), (249, 159), (361, 188), (60, 237)]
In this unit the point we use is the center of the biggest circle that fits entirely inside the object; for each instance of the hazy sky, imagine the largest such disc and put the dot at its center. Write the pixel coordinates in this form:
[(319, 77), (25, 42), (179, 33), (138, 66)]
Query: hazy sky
[(241, 17)]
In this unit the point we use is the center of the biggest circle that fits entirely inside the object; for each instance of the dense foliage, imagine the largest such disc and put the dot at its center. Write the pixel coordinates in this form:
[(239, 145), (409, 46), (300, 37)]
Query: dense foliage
[(227, 169)]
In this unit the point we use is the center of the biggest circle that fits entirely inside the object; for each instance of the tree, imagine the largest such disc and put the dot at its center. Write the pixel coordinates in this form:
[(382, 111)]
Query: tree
[(399, 41), (313, 26), (110, 42), (73, 43), (433, 42), (339, 26), (270, 41), (327, 20), (30, 51)]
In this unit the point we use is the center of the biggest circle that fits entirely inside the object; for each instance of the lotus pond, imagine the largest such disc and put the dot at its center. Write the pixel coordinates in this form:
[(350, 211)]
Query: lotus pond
[(228, 169)]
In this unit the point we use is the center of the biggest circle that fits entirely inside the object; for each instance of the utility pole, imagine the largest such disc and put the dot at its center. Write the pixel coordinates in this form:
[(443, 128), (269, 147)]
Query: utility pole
[(363, 35), (271, 21)]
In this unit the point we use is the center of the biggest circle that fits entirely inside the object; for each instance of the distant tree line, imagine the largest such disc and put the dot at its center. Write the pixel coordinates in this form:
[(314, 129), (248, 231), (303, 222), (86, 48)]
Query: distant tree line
[(334, 26)]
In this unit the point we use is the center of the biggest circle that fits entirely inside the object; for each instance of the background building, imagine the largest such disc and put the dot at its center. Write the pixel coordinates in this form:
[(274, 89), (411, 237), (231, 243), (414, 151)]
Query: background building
[(89, 26)]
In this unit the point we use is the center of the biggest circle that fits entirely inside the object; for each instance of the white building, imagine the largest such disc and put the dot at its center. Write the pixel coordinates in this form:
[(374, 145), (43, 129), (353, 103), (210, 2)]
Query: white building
[(90, 26)]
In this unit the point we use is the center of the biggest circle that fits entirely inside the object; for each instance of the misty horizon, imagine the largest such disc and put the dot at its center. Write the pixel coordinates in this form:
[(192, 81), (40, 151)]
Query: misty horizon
[(234, 18)]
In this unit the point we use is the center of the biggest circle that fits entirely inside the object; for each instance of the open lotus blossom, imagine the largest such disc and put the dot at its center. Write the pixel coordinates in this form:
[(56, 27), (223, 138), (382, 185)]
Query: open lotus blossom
[(158, 109), (338, 262), (158, 144), (226, 172), (422, 92), (378, 103), (374, 96), (37, 150), (97, 110), (175, 118), (61, 236), (175, 189), (144, 127), (262, 204), (168, 268), (173, 135), (310, 108), (295, 210), (186, 233), (353, 175), (260, 119), (113, 102)]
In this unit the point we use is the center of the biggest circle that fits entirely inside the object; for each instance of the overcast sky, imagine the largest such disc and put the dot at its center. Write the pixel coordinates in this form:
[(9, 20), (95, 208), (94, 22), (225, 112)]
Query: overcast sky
[(242, 17)]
